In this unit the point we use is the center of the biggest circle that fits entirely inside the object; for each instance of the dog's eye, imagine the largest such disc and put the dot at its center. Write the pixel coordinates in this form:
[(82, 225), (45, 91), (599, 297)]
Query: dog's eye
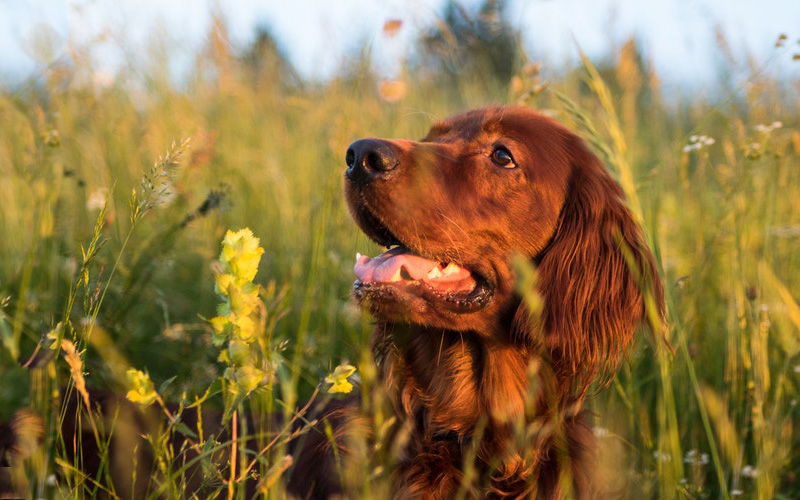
[(502, 158)]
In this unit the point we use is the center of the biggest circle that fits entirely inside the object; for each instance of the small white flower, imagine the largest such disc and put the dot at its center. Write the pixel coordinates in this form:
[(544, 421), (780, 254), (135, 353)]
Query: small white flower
[(97, 199), (662, 457), (694, 457), (600, 432), (736, 493), (749, 471), (698, 142), (766, 129)]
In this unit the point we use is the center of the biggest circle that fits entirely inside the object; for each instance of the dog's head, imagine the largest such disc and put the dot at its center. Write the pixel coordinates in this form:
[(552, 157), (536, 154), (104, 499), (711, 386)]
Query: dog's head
[(480, 187)]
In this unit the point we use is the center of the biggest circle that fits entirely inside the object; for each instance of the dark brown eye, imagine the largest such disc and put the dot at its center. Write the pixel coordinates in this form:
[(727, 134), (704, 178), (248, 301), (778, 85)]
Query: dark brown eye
[(502, 158)]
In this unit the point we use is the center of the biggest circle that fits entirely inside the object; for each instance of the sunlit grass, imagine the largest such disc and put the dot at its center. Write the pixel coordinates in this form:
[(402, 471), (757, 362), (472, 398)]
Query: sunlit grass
[(706, 409)]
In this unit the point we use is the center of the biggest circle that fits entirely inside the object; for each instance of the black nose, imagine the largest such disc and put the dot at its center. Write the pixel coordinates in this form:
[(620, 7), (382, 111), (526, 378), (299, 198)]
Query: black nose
[(369, 158)]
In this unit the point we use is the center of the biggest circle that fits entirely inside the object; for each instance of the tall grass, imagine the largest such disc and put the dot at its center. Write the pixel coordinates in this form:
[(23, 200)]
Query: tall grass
[(706, 408)]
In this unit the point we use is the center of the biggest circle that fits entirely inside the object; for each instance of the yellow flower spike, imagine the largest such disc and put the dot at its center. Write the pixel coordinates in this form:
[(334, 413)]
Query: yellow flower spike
[(339, 381), (224, 357), (242, 303), (219, 323), (240, 255), (142, 390), (245, 329), (222, 327), (238, 351), (248, 378), (222, 282)]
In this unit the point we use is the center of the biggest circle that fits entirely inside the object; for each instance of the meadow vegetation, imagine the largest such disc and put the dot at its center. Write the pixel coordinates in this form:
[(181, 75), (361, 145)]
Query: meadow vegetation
[(706, 409)]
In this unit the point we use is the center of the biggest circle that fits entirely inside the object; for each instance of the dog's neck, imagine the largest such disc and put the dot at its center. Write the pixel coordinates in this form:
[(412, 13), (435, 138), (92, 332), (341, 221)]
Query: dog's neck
[(454, 388), (452, 382)]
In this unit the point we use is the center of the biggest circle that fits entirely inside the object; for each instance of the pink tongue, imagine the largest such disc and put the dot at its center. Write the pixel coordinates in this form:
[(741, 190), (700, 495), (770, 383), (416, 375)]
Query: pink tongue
[(399, 264), (385, 266)]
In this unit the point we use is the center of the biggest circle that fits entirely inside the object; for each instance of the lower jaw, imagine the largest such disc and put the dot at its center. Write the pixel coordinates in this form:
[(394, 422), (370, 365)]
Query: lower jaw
[(460, 302)]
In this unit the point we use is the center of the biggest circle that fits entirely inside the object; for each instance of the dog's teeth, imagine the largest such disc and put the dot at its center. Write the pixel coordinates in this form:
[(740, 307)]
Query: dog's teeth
[(434, 273), (450, 269), (358, 256), (396, 276)]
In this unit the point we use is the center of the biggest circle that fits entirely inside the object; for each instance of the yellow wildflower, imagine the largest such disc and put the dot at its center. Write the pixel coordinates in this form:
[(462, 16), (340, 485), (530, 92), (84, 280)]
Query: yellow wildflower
[(240, 255), (244, 329), (142, 391), (222, 328), (248, 378), (338, 379), (219, 323), (222, 282), (242, 302), (224, 357), (238, 351)]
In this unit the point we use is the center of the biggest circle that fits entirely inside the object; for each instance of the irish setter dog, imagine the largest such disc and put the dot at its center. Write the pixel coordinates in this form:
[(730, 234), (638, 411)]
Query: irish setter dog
[(470, 368), (487, 386)]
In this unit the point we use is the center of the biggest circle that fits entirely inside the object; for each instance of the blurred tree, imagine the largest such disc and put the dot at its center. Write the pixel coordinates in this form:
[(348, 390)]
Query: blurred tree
[(264, 59), (483, 45)]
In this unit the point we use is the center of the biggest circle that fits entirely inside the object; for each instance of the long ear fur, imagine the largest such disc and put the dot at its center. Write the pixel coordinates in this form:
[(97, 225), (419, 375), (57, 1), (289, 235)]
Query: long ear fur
[(592, 296)]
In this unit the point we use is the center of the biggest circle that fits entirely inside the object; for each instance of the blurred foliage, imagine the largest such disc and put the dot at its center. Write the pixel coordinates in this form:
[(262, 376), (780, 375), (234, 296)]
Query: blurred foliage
[(481, 45)]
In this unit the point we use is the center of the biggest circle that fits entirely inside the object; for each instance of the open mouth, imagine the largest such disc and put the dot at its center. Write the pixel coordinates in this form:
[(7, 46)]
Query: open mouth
[(399, 271)]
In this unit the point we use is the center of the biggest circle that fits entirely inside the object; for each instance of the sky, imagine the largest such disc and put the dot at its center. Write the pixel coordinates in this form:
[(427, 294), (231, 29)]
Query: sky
[(677, 36)]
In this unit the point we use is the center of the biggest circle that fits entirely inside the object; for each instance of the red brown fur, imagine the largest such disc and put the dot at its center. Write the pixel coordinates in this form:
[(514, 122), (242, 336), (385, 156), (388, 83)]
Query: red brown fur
[(476, 374)]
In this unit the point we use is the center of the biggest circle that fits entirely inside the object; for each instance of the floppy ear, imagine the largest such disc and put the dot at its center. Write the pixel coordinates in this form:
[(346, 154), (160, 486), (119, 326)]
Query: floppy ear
[(592, 295)]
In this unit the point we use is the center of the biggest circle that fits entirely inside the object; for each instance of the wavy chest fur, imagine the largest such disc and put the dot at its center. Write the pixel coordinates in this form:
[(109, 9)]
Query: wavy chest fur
[(448, 381), (455, 388)]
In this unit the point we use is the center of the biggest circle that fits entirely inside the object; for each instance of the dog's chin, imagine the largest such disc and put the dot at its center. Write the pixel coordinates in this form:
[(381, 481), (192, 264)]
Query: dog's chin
[(418, 295), (416, 301)]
